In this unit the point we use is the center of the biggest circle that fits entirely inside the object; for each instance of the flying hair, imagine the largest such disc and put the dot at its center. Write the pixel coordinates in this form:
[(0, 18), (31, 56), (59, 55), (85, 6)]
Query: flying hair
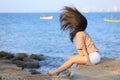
[(73, 21)]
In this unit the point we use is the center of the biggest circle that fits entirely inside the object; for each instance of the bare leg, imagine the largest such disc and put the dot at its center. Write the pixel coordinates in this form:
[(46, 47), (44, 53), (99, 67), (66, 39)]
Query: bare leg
[(73, 60)]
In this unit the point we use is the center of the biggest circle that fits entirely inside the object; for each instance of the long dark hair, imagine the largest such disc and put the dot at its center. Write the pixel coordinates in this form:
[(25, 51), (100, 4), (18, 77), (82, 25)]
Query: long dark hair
[(73, 21)]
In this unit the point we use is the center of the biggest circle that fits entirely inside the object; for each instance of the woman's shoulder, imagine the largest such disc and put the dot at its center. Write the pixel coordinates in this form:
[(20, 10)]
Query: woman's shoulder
[(80, 33)]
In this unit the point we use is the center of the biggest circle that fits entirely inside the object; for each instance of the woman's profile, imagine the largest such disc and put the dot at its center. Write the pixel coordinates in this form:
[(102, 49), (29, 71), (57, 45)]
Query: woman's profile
[(73, 21)]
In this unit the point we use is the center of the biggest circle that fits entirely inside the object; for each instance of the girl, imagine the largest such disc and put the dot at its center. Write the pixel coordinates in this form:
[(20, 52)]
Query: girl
[(71, 19)]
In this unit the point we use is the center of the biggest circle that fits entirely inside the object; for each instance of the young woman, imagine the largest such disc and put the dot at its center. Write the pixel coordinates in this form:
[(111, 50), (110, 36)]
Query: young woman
[(71, 19)]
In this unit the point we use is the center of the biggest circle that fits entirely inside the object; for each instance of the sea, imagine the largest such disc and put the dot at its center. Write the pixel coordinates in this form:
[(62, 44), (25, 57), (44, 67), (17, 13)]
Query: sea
[(27, 33)]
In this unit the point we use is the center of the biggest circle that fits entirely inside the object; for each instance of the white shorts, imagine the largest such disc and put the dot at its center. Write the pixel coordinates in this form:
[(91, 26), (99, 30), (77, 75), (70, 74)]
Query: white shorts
[(94, 57)]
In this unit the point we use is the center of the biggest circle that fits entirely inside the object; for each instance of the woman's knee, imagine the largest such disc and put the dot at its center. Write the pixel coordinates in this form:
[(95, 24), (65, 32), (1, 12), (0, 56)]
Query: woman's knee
[(72, 58)]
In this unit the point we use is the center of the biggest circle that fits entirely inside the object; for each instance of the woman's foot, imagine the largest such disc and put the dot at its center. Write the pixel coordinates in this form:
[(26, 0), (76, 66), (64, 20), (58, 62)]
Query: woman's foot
[(52, 72)]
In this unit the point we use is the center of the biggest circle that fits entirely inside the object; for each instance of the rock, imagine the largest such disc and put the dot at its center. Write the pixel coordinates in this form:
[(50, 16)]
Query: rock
[(5, 55), (108, 69), (10, 71), (36, 57)]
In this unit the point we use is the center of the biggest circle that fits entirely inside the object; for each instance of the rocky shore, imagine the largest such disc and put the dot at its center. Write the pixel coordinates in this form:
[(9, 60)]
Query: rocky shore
[(10, 71), (12, 67), (108, 69)]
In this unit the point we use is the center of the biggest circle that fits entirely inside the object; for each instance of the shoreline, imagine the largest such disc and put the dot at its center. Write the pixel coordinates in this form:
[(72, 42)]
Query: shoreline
[(108, 69), (36, 63), (9, 71)]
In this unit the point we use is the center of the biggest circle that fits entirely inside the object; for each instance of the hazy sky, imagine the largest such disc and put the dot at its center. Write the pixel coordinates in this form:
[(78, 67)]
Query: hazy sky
[(56, 5)]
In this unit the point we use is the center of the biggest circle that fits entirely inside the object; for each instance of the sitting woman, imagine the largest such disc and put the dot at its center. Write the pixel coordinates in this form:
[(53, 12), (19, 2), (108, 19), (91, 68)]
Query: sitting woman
[(71, 19)]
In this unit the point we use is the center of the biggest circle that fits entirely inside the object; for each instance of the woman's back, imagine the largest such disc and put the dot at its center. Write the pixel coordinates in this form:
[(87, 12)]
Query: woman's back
[(85, 40)]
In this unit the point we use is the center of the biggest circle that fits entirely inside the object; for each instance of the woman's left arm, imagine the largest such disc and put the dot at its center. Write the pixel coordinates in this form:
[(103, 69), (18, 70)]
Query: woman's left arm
[(80, 45), (86, 54)]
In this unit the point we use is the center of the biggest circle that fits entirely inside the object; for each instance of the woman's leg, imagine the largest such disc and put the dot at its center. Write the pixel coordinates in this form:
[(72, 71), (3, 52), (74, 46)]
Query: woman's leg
[(73, 60)]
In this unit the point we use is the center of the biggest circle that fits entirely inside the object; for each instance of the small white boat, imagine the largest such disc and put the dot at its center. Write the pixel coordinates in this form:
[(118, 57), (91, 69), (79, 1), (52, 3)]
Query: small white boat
[(46, 17)]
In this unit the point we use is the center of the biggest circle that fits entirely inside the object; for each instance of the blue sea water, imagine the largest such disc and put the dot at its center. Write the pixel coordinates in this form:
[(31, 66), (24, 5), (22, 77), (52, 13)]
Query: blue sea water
[(25, 32)]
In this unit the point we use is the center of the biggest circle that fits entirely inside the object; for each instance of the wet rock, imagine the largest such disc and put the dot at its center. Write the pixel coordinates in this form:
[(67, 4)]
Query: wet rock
[(31, 65), (36, 57), (5, 55), (34, 71)]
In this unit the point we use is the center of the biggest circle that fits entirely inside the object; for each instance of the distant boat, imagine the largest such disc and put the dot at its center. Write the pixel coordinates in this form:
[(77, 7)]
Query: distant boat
[(111, 20), (86, 10), (46, 17)]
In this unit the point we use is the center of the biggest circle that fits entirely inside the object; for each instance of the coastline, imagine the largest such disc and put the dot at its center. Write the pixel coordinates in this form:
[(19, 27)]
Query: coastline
[(108, 69), (9, 71)]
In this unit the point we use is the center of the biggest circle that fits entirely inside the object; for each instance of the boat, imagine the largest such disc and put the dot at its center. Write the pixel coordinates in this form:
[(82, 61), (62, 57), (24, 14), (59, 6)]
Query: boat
[(111, 20), (115, 8), (46, 17)]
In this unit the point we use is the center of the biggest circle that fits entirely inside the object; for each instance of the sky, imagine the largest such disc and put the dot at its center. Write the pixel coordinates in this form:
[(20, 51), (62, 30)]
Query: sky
[(57, 5)]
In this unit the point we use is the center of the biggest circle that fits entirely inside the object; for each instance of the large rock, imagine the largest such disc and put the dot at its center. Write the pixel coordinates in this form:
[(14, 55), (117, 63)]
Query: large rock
[(108, 69)]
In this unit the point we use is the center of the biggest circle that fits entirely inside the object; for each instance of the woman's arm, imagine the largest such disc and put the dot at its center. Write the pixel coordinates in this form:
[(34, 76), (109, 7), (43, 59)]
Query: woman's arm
[(81, 47), (85, 53), (80, 52)]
